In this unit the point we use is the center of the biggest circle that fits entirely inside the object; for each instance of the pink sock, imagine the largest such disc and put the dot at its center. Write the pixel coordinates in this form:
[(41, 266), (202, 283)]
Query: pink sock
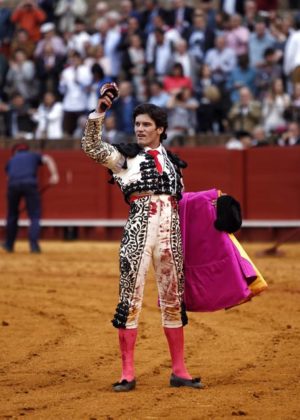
[(127, 338), (176, 345)]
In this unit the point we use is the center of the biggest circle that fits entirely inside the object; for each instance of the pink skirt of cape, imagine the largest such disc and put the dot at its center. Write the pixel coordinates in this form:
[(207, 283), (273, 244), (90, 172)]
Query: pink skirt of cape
[(216, 275)]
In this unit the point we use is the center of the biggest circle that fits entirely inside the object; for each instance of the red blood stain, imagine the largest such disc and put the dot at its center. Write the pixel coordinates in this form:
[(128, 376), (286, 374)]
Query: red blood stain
[(153, 209), (165, 256), (173, 202)]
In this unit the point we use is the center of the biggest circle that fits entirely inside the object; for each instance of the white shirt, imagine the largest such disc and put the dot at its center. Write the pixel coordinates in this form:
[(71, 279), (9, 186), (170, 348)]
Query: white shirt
[(78, 42), (225, 59), (73, 85), (49, 121), (292, 53), (229, 6)]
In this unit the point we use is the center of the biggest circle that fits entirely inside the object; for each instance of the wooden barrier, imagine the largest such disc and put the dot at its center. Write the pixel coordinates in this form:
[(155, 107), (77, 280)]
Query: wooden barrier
[(266, 181)]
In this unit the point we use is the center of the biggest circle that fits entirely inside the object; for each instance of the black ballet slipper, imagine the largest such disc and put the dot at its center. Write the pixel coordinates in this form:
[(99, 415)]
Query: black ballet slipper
[(176, 382), (124, 386)]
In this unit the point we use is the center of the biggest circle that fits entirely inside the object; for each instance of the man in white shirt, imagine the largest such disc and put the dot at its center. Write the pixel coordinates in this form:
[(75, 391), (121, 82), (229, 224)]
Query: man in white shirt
[(291, 64), (221, 60), (159, 56), (49, 117), (74, 83)]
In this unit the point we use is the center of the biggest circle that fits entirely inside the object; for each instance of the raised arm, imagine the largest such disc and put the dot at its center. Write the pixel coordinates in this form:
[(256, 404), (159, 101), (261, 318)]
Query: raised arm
[(52, 168), (92, 144)]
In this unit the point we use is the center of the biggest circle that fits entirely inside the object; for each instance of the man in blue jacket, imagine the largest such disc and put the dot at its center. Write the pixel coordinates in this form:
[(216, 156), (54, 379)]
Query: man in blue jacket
[(22, 170)]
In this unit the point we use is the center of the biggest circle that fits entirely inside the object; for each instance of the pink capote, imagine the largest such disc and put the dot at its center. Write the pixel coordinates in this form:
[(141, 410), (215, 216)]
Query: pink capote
[(215, 272)]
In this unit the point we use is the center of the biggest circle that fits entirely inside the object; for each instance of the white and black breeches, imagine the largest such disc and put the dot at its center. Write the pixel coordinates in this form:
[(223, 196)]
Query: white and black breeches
[(152, 232)]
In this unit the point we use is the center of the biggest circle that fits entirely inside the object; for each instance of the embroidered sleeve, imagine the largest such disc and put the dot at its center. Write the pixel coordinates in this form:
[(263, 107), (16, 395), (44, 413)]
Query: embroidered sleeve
[(103, 153)]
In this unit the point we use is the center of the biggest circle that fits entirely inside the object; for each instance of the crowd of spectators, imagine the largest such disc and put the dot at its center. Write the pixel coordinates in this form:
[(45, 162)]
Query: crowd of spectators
[(229, 67)]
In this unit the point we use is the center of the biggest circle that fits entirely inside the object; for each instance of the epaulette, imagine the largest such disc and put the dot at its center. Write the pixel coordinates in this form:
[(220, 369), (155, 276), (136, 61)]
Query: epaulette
[(176, 160), (129, 150)]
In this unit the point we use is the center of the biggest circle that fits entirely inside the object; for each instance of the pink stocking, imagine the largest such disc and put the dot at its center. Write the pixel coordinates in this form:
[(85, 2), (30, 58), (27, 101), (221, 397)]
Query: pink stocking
[(127, 338), (176, 345)]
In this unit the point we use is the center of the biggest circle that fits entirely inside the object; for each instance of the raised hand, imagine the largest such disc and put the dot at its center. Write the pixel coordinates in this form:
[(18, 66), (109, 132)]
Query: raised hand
[(108, 92)]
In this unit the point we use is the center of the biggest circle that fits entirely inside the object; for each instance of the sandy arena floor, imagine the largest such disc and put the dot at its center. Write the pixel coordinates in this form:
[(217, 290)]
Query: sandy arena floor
[(59, 353)]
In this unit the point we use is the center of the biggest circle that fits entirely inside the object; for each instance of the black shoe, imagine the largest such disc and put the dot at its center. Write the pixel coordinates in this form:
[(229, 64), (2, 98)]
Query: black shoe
[(36, 250), (176, 381), (124, 386), (7, 248)]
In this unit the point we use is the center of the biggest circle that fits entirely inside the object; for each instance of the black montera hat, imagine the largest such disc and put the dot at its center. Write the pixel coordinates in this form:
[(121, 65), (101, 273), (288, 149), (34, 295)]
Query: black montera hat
[(229, 216)]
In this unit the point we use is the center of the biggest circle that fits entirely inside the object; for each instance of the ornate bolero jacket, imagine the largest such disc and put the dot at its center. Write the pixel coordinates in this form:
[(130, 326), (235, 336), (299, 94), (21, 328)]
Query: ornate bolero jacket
[(131, 167)]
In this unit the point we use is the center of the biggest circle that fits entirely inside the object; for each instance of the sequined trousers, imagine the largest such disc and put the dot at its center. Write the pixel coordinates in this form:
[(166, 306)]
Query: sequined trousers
[(152, 232)]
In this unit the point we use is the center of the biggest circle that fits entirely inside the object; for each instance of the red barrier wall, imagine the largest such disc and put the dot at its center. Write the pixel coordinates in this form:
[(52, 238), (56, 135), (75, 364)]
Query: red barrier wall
[(266, 181), (272, 183)]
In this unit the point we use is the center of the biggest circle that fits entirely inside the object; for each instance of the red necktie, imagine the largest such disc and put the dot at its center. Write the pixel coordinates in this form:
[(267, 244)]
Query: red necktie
[(155, 154)]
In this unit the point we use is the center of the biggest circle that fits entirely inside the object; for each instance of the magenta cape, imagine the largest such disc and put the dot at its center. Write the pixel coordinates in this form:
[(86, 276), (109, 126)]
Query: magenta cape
[(218, 272)]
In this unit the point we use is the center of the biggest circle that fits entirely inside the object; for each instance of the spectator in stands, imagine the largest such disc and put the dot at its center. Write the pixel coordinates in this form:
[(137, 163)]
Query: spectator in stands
[(242, 75), (281, 28), (50, 37), (3, 72), (291, 137), (6, 29), (49, 66), (127, 11), (123, 110), (182, 56), (100, 11), (221, 61), (18, 118), (267, 72), (4, 118), (296, 95), (67, 11), (293, 112), (237, 37), (176, 80), (73, 85), (158, 61), (204, 79), (200, 37), (158, 96), (109, 38), (49, 118), (151, 10), (292, 54), (210, 113), (98, 79), (132, 28), (79, 40), (180, 15), (21, 76), (110, 133), (30, 17), (259, 41), (250, 15), (245, 114), (95, 55), (182, 117), (171, 35), (21, 41), (134, 65), (232, 7), (239, 141), (275, 104), (48, 7), (210, 13), (259, 138)]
